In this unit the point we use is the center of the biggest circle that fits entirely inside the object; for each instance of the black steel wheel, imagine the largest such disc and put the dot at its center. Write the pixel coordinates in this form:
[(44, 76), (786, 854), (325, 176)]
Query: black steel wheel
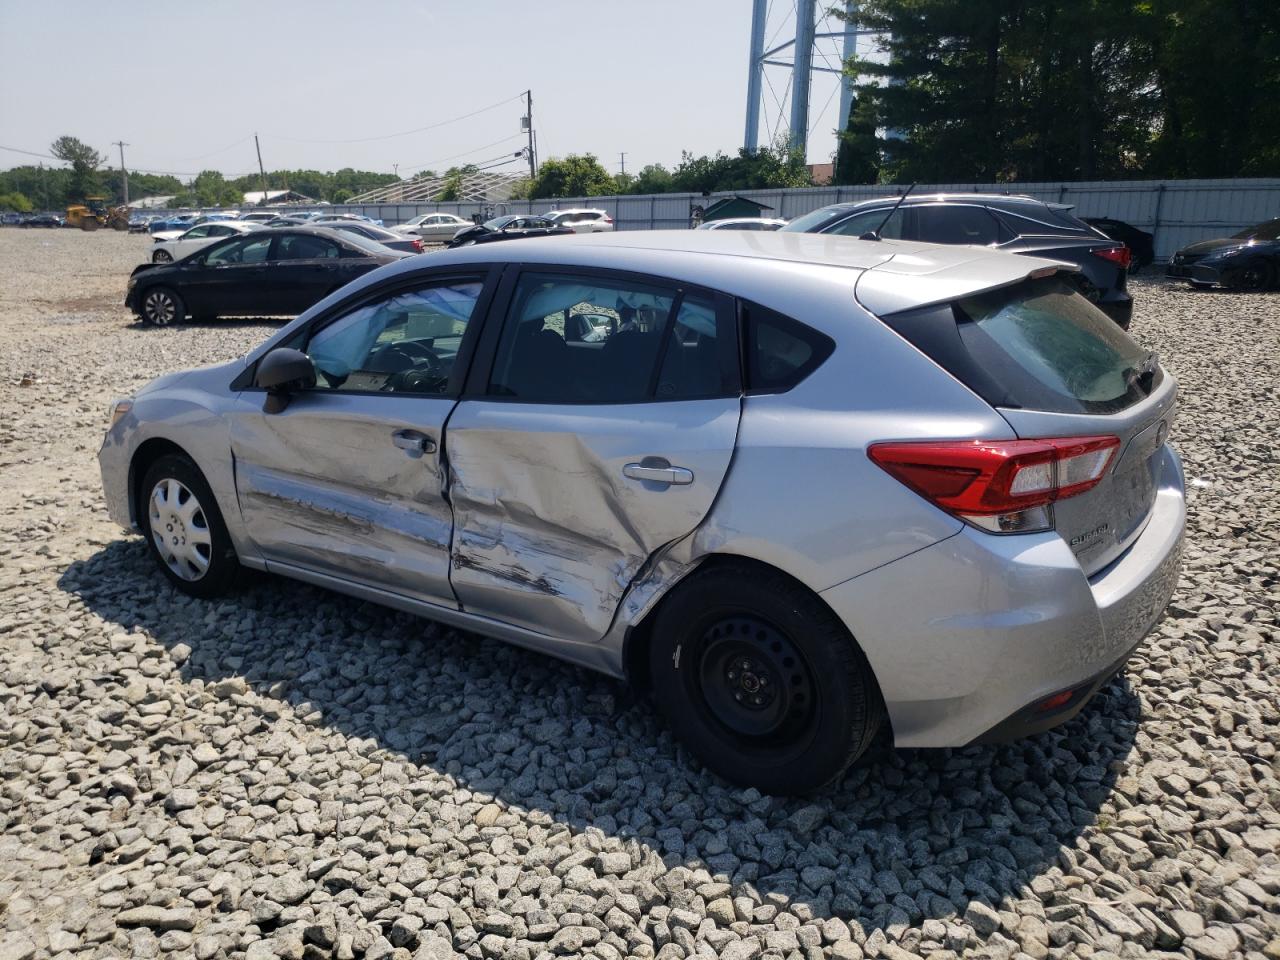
[(761, 680)]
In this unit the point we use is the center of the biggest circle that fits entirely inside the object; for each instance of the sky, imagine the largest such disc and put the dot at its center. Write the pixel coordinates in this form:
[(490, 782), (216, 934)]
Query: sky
[(187, 84)]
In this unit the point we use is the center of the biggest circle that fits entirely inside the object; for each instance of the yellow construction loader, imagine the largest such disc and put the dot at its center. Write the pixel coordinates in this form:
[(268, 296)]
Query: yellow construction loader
[(93, 213)]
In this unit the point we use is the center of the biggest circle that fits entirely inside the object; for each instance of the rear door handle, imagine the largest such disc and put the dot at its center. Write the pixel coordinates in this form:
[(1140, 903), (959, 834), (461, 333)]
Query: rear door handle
[(413, 441), (657, 470)]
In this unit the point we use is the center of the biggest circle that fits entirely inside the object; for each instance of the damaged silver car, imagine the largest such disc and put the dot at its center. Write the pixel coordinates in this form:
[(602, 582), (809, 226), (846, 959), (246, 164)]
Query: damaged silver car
[(798, 486)]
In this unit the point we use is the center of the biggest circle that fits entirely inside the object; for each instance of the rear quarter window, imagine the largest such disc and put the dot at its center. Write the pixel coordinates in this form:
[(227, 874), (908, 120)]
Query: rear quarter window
[(779, 352)]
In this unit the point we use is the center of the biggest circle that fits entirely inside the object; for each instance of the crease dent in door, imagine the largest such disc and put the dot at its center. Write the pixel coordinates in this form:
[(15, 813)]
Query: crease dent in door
[(494, 530), (316, 509)]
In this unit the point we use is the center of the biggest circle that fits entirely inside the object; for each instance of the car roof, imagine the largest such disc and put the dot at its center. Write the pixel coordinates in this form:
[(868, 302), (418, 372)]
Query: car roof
[(896, 274)]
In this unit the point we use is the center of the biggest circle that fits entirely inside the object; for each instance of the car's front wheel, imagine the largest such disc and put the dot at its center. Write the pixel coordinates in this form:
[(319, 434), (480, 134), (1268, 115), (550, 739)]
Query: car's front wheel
[(1254, 275), (162, 256), (761, 680), (161, 307), (184, 528)]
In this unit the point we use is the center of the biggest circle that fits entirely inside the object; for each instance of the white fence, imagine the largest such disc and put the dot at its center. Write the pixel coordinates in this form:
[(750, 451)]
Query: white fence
[(1177, 212)]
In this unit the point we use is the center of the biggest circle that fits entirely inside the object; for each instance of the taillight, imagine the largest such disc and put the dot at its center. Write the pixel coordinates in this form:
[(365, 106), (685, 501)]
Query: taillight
[(1003, 486), (417, 246), (608, 219), (1121, 256)]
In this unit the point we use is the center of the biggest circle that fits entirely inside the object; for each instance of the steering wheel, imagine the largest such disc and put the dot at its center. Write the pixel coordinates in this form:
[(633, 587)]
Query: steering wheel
[(424, 366)]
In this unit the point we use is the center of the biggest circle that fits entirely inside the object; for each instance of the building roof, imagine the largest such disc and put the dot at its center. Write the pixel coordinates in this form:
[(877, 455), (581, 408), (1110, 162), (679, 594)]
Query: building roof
[(275, 196), (734, 202)]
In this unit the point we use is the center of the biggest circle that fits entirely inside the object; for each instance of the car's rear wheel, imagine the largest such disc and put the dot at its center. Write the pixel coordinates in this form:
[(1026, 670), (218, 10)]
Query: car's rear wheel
[(162, 256), (1254, 275), (161, 307), (761, 680), (184, 529)]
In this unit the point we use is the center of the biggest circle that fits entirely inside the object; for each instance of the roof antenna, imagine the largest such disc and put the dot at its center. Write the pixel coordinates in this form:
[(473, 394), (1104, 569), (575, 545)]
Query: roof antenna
[(875, 234)]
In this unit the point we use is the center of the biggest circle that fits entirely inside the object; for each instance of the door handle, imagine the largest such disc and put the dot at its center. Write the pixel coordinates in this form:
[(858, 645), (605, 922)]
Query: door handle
[(657, 470), (413, 442)]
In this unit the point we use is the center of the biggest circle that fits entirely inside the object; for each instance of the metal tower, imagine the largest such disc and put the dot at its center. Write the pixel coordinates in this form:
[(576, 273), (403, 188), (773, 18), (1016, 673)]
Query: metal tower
[(832, 39)]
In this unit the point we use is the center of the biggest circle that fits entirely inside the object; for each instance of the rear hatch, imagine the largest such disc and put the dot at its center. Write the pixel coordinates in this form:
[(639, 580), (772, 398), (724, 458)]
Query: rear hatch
[(1055, 366)]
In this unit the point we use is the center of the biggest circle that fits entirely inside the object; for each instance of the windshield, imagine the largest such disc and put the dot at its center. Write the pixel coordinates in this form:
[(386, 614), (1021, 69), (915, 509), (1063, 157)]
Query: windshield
[(817, 219), (1263, 231)]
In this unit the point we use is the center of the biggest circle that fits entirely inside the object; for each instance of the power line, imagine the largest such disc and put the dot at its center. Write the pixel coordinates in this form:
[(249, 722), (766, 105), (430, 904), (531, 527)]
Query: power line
[(405, 133), (216, 152), (427, 165)]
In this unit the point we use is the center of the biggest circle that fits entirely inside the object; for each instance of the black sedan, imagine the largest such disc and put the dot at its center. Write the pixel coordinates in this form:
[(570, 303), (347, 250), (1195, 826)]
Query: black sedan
[(43, 220), (1250, 260), (1140, 243), (272, 273), (363, 228), (510, 227)]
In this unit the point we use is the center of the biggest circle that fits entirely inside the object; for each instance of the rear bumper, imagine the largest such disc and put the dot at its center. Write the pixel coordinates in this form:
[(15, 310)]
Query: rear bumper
[(1119, 307), (968, 634)]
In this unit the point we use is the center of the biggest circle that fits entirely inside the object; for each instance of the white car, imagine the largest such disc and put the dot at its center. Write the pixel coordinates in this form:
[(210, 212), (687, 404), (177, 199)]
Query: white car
[(175, 244), (582, 220), (433, 227), (744, 223)]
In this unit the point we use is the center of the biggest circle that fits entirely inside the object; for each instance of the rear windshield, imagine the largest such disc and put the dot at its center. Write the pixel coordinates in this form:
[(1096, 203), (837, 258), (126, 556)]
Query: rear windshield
[(814, 221), (1037, 345)]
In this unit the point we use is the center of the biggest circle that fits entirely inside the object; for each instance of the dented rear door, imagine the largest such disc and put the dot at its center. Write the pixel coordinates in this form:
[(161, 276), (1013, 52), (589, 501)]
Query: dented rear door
[(588, 445)]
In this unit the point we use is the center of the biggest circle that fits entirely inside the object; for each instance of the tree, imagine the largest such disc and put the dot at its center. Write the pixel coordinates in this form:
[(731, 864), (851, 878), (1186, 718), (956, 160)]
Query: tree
[(857, 152), (15, 201), (84, 161), (212, 190), (653, 178), (574, 176)]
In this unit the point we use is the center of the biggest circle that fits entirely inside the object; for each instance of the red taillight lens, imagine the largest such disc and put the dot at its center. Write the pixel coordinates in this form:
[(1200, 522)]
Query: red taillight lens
[(417, 246), (608, 219), (1121, 256), (976, 479)]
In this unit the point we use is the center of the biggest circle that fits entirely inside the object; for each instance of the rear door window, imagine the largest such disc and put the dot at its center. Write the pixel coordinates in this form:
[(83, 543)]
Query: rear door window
[(954, 223)]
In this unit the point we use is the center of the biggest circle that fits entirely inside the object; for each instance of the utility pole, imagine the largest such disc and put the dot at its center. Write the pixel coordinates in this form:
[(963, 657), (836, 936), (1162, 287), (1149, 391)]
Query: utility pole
[(528, 116), (123, 172), (622, 159), (261, 172)]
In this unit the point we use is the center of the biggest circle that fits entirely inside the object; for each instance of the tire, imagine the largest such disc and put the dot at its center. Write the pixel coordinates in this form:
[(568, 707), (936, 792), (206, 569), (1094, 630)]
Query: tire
[(162, 256), (161, 307), (761, 680), (1253, 276), (189, 543)]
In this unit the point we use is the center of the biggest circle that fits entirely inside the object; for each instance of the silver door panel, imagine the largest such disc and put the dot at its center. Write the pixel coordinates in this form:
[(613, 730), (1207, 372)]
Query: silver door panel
[(550, 532), (325, 484)]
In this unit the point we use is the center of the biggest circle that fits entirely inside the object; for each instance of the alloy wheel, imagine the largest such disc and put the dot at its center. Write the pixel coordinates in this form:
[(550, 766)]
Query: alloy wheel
[(180, 529), (159, 308), (162, 256)]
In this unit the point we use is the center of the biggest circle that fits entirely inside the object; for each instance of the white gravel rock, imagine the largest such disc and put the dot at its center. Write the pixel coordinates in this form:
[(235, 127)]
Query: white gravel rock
[(293, 773)]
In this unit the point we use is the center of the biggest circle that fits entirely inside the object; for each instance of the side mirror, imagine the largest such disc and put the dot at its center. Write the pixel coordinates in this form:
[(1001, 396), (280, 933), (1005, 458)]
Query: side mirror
[(282, 371)]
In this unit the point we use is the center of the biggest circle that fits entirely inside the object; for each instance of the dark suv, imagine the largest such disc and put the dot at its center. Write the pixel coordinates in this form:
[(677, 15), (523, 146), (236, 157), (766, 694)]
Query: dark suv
[(1013, 224)]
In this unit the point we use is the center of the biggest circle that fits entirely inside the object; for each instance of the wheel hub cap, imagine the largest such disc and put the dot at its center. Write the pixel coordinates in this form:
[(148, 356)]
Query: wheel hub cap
[(180, 529)]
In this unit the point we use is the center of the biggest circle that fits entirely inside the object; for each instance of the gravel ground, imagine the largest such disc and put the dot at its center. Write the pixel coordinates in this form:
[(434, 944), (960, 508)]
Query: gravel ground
[(292, 773)]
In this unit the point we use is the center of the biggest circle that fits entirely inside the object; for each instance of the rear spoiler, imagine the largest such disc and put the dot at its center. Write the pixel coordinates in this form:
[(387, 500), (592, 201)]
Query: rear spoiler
[(907, 282)]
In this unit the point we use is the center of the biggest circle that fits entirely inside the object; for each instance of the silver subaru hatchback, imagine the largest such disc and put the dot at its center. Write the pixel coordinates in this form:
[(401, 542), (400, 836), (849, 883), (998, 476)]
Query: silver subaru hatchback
[(798, 486)]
